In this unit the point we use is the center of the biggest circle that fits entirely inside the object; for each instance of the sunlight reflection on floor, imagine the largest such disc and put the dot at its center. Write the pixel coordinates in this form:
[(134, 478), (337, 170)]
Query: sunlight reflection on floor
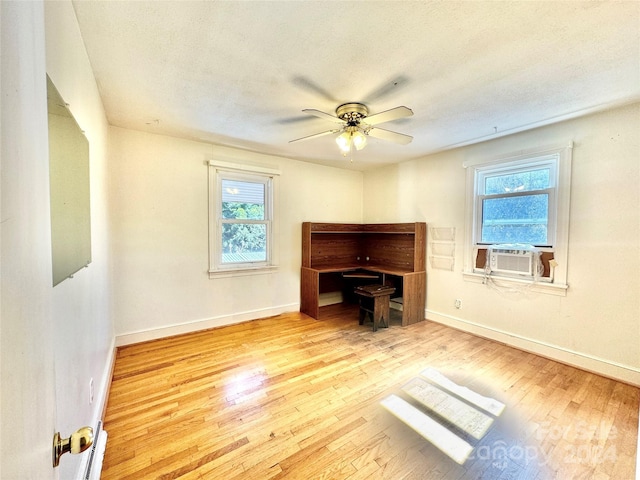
[(444, 413)]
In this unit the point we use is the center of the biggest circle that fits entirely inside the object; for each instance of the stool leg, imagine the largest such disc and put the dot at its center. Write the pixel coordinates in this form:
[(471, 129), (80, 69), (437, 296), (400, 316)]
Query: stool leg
[(377, 312), (381, 312), (385, 311)]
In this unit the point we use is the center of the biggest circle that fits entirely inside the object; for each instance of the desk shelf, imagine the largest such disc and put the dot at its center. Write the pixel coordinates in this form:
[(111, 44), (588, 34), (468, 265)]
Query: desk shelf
[(391, 249)]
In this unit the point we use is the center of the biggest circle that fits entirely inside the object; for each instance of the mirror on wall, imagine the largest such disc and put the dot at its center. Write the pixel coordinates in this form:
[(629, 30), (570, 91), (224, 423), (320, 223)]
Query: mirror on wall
[(69, 185)]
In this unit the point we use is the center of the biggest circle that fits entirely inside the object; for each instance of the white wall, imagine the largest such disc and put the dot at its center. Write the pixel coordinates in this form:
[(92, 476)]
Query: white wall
[(83, 328), (597, 325), (27, 413), (159, 212)]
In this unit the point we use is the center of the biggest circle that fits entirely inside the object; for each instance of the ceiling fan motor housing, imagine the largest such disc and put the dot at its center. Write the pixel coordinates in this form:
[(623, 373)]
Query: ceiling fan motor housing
[(352, 113)]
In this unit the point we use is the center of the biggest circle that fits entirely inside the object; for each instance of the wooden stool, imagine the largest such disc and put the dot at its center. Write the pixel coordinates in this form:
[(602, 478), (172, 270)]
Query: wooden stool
[(378, 295)]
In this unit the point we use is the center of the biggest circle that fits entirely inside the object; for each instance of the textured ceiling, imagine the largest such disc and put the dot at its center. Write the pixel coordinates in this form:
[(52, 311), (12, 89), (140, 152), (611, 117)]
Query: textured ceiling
[(239, 73)]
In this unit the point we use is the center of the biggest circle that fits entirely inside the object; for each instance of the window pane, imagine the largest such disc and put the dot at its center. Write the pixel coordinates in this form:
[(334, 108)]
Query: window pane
[(242, 200), (244, 242), (517, 182), (517, 219)]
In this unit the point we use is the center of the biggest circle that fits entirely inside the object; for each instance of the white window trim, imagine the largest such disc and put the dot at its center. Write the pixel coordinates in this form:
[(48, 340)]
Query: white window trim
[(558, 284), (216, 269)]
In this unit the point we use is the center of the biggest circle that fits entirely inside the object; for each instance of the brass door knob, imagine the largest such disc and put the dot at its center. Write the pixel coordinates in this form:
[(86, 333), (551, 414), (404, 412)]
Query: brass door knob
[(78, 442)]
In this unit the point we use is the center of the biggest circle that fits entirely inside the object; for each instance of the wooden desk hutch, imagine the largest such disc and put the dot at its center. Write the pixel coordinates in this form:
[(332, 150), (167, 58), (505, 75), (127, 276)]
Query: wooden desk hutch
[(394, 251)]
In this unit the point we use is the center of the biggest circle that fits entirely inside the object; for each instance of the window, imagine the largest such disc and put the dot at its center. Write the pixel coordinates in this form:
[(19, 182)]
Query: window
[(241, 219), (520, 199), (516, 203)]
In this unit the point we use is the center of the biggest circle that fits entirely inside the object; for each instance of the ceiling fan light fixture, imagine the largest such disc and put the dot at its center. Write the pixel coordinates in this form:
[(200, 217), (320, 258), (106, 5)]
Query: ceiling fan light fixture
[(357, 125), (351, 137), (344, 141), (359, 140)]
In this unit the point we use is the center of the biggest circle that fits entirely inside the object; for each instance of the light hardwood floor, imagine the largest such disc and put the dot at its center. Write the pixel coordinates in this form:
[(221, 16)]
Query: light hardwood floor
[(297, 398)]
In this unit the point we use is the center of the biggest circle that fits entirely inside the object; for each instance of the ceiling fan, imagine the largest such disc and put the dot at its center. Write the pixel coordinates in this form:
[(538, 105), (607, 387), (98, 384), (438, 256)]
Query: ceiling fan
[(356, 125)]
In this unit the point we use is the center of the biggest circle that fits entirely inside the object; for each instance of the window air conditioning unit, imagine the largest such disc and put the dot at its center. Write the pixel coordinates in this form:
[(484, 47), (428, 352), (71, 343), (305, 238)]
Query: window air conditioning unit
[(511, 261)]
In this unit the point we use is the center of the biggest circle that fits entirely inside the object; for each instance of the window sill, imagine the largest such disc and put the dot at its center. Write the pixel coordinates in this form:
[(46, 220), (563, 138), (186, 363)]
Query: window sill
[(559, 289), (242, 272)]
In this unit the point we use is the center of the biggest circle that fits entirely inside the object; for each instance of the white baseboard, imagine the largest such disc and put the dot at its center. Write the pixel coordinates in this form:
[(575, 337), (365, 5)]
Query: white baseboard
[(606, 368), (203, 324), (100, 403), (105, 385)]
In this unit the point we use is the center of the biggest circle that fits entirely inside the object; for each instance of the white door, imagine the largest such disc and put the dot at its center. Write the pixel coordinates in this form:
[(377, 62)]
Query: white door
[(28, 403)]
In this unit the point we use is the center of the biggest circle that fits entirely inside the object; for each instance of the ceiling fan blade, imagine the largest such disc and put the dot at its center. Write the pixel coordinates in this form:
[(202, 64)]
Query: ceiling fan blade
[(326, 116), (388, 115), (315, 135), (386, 88), (293, 120), (395, 137), (310, 86)]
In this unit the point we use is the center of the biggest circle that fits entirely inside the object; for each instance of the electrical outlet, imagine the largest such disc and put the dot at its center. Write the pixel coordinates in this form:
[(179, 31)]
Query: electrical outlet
[(458, 303), (91, 391)]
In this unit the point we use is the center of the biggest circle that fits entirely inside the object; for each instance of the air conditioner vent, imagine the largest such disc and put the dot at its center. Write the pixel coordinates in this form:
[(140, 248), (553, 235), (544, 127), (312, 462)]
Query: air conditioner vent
[(511, 261)]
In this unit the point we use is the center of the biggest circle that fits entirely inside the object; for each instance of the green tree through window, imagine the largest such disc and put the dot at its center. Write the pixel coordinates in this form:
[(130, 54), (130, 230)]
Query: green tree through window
[(244, 221), (244, 237)]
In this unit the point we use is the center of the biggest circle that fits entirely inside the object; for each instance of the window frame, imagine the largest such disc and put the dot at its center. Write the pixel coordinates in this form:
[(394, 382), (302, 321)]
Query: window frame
[(477, 170), (219, 171)]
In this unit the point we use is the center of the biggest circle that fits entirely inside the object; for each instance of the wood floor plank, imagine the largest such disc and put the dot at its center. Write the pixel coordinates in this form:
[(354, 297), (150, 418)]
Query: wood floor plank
[(291, 397)]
